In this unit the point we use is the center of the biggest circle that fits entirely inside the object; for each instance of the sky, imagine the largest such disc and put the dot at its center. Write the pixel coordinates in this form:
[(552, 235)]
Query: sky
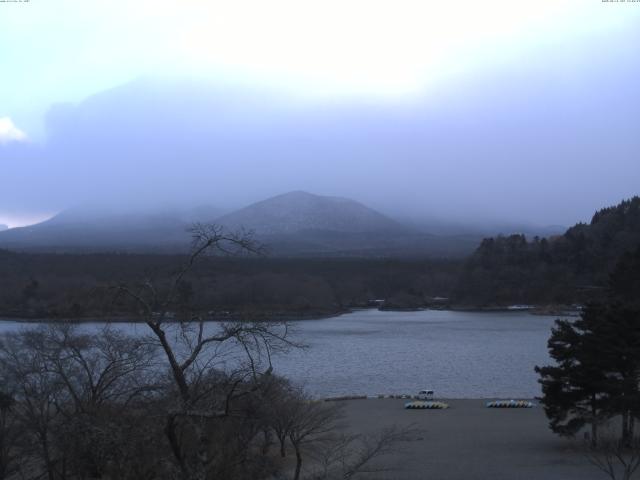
[(493, 110)]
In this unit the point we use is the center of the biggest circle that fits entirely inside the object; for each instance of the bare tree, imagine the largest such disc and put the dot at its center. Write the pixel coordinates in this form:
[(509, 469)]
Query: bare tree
[(282, 408), (192, 349), (312, 422), (348, 456), (71, 391), (9, 435), (315, 431), (95, 368), (37, 393), (619, 459)]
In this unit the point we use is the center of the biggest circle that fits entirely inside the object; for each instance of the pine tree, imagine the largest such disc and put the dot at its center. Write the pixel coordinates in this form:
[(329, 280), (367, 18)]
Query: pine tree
[(574, 390), (597, 376), (618, 337)]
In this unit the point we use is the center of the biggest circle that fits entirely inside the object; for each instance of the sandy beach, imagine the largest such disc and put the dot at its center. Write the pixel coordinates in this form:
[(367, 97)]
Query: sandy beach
[(469, 441)]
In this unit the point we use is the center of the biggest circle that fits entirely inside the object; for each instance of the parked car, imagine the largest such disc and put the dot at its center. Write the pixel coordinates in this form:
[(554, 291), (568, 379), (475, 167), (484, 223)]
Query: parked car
[(425, 395)]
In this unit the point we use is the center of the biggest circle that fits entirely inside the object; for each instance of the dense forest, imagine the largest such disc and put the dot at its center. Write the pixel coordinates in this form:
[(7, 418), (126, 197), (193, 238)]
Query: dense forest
[(504, 270), (564, 269), (67, 285)]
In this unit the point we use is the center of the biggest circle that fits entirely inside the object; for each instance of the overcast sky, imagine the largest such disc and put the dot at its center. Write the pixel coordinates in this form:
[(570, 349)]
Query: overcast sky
[(496, 110)]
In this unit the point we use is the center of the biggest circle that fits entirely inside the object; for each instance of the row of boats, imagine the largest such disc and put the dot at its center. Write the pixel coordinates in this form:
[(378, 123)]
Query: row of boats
[(434, 405)]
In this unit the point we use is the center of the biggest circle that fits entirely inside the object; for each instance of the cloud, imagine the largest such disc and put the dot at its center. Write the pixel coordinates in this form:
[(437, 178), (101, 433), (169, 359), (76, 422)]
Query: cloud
[(9, 132)]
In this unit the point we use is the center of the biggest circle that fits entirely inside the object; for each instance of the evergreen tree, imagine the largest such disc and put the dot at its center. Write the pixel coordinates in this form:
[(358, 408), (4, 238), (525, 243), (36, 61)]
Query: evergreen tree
[(618, 339), (574, 390), (597, 375), (625, 280)]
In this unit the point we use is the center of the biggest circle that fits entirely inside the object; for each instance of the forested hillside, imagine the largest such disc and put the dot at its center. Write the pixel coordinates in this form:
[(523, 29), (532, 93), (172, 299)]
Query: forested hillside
[(568, 268)]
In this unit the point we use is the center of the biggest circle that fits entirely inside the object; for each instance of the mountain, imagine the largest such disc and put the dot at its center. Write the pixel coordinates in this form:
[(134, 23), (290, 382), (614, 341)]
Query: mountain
[(3, 227), (303, 224), (296, 212), (292, 224), (96, 229)]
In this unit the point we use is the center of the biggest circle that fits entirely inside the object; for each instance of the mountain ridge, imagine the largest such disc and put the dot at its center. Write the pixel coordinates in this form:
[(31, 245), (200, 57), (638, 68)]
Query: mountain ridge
[(298, 211), (296, 223)]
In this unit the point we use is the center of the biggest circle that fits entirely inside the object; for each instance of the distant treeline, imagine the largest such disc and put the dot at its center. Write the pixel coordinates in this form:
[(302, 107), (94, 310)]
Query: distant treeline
[(567, 269), (67, 285)]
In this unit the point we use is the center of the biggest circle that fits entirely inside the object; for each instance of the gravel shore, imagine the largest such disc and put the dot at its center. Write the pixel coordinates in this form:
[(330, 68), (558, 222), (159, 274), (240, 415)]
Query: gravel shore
[(469, 441)]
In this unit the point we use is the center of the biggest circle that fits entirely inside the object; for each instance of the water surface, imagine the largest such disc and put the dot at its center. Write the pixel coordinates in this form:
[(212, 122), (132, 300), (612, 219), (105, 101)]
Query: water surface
[(368, 352)]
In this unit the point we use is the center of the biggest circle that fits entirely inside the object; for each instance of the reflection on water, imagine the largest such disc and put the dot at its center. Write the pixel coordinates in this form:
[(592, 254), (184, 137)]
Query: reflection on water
[(457, 354)]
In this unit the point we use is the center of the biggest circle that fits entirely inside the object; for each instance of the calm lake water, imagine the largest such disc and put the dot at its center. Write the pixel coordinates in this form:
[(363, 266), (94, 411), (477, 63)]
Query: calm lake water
[(368, 352)]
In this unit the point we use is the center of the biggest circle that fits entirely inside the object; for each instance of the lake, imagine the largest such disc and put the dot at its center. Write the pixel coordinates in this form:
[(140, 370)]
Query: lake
[(369, 352)]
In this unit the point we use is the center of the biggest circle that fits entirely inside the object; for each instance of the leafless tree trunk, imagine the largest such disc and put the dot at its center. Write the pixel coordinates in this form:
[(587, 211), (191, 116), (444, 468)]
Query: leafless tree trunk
[(192, 350), (350, 456), (311, 422), (9, 435), (618, 459)]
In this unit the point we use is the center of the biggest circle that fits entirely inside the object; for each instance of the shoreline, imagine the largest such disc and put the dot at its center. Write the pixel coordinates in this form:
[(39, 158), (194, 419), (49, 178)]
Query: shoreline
[(286, 316), (408, 398), (276, 317)]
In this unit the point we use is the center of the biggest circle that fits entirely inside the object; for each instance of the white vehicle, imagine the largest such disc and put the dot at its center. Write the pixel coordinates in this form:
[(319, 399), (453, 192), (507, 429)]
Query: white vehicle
[(425, 395)]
